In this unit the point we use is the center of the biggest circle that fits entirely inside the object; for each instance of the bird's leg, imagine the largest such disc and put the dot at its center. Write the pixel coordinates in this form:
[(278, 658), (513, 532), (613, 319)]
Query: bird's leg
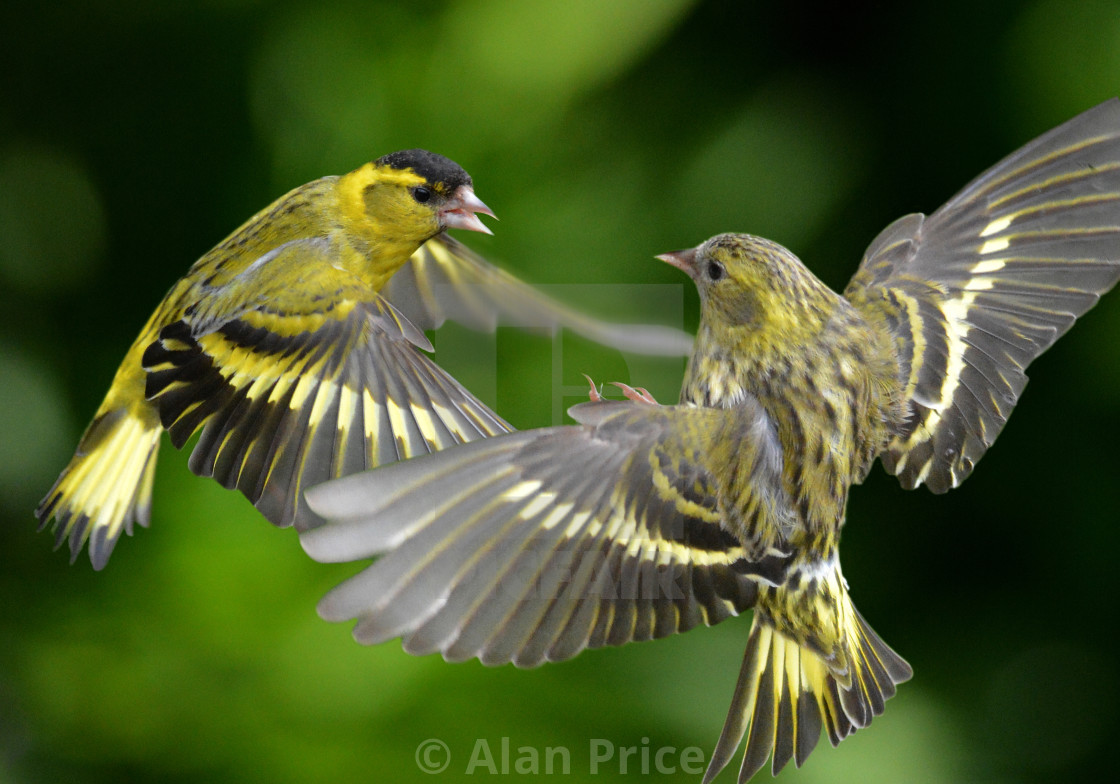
[(639, 395)]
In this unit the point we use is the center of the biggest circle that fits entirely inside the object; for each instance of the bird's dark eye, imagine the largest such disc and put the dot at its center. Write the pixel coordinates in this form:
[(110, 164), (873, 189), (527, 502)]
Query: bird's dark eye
[(422, 194), (715, 270)]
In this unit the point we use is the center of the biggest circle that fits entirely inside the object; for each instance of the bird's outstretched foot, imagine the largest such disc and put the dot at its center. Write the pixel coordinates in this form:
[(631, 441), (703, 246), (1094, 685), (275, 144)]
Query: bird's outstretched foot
[(638, 395)]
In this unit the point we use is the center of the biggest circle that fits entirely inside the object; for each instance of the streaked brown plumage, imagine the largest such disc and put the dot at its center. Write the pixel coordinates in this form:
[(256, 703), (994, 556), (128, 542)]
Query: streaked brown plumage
[(646, 520)]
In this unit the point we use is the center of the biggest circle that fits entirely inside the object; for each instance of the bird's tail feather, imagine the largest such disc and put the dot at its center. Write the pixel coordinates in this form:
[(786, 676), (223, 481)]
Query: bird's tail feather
[(787, 692), (107, 485)]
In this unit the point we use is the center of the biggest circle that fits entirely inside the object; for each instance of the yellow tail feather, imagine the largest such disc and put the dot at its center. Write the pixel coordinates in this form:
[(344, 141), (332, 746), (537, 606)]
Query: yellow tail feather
[(107, 485), (787, 692)]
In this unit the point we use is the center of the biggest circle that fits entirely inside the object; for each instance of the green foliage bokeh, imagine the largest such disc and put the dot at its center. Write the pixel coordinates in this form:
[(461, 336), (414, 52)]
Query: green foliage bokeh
[(134, 136)]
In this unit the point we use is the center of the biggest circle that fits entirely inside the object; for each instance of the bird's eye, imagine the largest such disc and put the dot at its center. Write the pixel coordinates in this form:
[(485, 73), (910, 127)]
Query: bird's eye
[(422, 194), (715, 270)]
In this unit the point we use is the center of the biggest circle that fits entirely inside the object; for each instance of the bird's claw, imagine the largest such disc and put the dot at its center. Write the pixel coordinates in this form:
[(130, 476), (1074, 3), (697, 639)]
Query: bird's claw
[(593, 394), (638, 395)]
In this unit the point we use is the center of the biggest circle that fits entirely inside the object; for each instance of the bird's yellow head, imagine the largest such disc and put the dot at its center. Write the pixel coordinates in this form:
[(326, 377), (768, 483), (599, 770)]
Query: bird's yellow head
[(410, 196), (751, 282)]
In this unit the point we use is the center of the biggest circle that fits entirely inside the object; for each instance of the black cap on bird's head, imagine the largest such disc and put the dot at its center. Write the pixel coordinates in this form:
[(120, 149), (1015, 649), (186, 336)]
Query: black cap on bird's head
[(450, 179), (433, 167)]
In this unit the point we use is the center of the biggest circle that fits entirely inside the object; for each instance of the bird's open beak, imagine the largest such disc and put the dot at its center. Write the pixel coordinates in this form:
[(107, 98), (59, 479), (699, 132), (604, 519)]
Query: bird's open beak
[(684, 260), (459, 211)]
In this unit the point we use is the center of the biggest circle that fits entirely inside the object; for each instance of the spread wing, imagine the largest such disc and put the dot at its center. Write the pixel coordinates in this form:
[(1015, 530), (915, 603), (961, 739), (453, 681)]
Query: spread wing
[(977, 290), (535, 545), (298, 374), (446, 280)]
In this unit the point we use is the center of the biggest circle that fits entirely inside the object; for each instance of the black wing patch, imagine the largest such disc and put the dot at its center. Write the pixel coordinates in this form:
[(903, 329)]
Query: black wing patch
[(281, 410)]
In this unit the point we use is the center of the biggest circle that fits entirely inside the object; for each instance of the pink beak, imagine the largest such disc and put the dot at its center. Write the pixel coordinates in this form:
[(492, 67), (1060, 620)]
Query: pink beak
[(684, 260), (459, 211)]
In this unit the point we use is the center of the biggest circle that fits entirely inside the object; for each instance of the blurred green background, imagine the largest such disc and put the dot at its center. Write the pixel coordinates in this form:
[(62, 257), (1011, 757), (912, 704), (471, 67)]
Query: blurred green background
[(134, 136)]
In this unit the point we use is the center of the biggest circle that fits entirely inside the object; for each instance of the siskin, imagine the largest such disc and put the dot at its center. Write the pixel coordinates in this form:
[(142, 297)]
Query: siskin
[(293, 346), (646, 520)]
